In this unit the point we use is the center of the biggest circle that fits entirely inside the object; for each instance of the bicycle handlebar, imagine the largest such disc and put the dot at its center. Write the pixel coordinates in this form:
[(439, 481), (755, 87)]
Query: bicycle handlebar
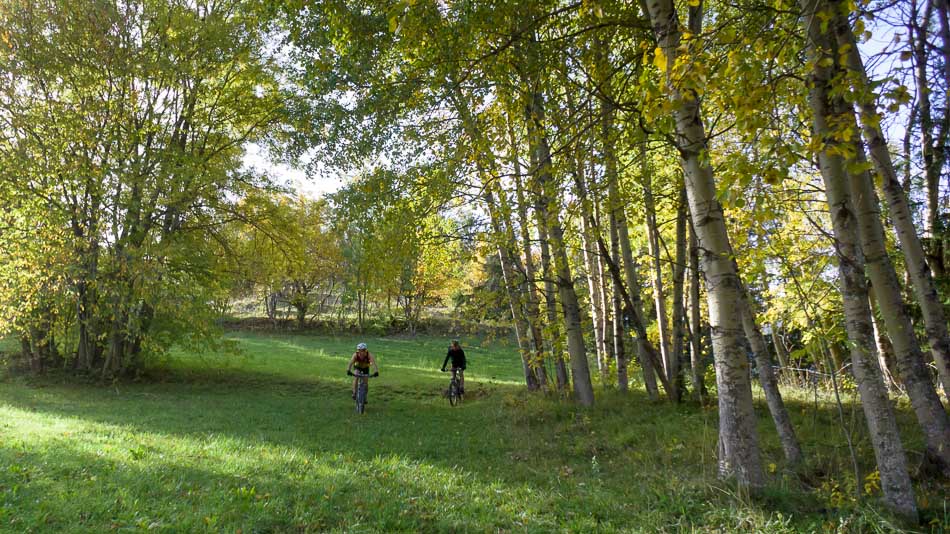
[(368, 375)]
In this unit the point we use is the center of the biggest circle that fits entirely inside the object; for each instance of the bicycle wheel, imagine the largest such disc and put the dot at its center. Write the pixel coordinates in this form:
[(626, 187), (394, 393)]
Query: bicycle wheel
[(454, 393), (361, 392)]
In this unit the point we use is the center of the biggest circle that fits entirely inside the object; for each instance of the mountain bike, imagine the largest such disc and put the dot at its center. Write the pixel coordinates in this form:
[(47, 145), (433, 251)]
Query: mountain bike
[(362, 389), (454, 393)]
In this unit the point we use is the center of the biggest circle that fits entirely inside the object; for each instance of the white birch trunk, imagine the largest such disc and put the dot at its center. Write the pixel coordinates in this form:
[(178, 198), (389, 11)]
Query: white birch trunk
[(739, 442), (935, 320), (659, 295), (549, 212), (697, 368), (679, 310), (885, 438), (931, 415)]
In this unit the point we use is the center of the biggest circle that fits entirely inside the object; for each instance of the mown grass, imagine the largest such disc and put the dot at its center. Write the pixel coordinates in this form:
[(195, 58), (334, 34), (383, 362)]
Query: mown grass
[(267, 441)]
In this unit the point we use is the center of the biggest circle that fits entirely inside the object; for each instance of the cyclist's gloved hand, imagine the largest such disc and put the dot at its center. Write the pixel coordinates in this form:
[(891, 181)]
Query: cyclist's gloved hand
[(376, 373), (349, 373)]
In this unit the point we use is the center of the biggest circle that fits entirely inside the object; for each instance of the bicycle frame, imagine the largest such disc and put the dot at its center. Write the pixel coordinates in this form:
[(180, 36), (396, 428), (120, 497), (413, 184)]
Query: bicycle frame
[(362, 391), (455, 387)]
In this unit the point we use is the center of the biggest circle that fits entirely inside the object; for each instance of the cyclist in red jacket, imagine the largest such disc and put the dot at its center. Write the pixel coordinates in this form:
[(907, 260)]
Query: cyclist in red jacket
[(361, 360)]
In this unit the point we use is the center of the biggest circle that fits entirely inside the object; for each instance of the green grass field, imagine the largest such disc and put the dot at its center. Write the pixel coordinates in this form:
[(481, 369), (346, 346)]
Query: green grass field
[(267, 440)]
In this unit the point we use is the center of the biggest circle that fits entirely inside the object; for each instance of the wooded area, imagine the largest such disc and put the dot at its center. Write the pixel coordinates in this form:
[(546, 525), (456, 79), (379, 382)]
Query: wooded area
[(640, 190)]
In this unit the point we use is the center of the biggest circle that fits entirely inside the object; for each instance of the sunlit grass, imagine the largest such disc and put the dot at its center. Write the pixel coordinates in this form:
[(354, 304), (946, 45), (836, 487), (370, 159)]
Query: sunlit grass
[(266, 440)]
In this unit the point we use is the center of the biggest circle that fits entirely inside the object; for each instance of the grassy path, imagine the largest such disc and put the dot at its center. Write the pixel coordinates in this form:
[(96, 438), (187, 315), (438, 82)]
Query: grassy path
[(268, 441)]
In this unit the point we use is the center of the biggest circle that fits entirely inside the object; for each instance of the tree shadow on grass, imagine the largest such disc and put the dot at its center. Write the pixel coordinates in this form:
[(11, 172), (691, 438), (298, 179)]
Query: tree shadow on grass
[(67, 487), (616, 462), (443, 454)]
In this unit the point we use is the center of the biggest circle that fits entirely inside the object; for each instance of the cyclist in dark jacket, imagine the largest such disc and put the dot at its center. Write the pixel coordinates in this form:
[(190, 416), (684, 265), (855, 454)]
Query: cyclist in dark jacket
[(457, 355)]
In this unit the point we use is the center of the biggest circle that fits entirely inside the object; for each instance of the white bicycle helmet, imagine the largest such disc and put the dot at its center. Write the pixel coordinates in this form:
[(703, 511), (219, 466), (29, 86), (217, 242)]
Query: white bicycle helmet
[(361, 346)]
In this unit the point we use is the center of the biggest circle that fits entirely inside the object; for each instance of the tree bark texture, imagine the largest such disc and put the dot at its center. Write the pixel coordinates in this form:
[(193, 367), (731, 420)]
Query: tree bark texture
[(549, 213), (935, 319), (885, 438), (679, 311), (908, 356), (739, 442), (659, 294), (697, 367)]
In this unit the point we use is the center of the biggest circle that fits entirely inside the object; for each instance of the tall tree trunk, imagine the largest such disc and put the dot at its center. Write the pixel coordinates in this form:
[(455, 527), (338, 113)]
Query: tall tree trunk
[(531, 273), (549, 213), (592, 262), (773, 397), (885, 350), (619, 357), (550, 292), (516, 284), (739, 442), (934, 317), (931, 149), (635, 309), (523, 286), (885, 438), (913, 372), (659, 295), (604, 293), (615, 204), (697, 368), (86, 351), (780, 351), (650, 357), (679, 315), (514, 296)]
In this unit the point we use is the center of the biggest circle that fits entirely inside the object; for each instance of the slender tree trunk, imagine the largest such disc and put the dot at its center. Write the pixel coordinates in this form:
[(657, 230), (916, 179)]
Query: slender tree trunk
[(659, 295), (697, 368), (780, 351), (592, 263), (615, 205), (913, 372), (85, 354), (549, 213), (604, 294), (648, 353), (773, 397), (885, 351), (550, 293), (522, 287), (514, 296), (516, 284), (885, 438), (932, 142), (934, 317), (531, 272), (738, 436), (619, 356), (679, 315), (645, 348)]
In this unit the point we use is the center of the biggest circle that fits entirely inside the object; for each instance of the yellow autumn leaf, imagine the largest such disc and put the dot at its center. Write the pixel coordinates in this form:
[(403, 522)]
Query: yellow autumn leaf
[(659, 59)]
